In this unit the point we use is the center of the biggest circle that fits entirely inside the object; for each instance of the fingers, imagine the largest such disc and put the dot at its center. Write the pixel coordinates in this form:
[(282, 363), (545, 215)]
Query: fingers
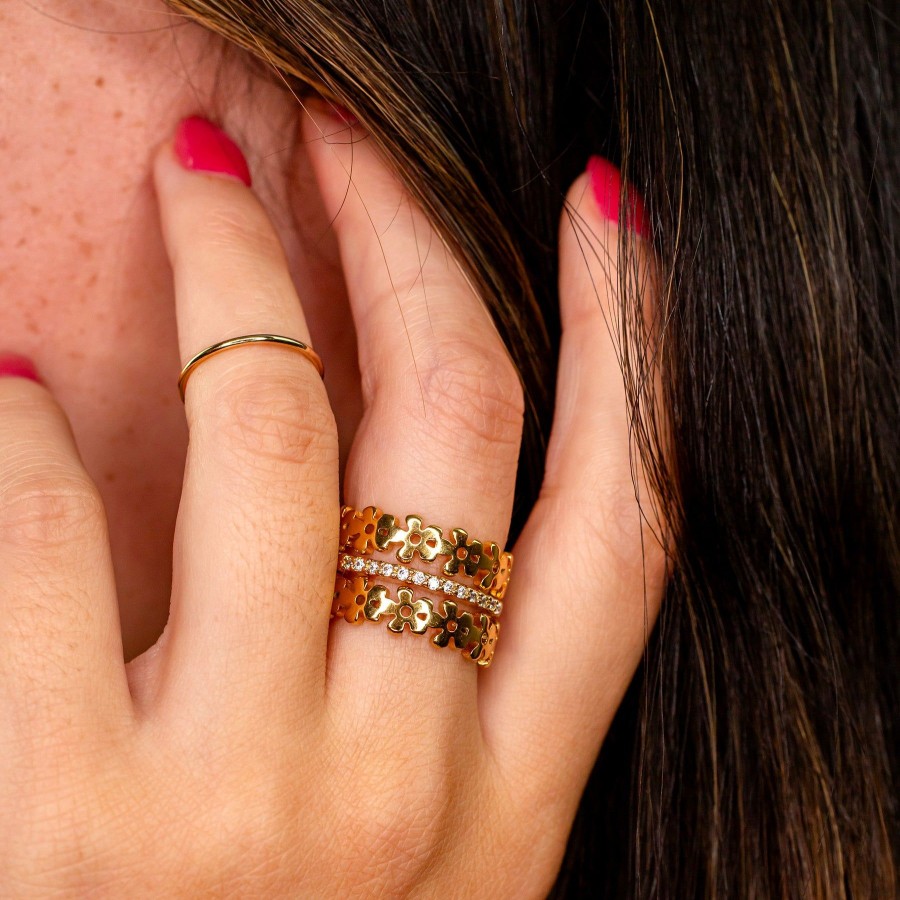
[(589, 566), (443, 403), (257, 529), (60, 644)]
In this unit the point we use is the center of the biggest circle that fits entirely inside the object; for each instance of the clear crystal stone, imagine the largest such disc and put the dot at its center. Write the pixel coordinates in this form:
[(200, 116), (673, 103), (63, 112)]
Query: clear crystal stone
[(419, 578), (449, 587), (372, 567), (403, 573), (434, 583), (462, 592), (387, 569), (359, 564)]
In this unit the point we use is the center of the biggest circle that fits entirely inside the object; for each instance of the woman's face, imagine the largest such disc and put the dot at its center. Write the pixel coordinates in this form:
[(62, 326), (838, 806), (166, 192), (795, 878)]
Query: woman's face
[(89, 88)]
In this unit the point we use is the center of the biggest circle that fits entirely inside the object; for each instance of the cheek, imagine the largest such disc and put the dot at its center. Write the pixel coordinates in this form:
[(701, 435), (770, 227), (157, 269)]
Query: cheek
[(84, 282), (96, 315), (85, 291), (88, 297)]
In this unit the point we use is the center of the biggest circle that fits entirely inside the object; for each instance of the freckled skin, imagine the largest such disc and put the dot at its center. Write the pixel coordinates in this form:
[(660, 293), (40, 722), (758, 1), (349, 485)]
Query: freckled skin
[(84, 282)]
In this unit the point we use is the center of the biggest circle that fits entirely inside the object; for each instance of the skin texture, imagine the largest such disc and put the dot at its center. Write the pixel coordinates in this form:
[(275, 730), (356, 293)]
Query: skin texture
[(100, 321), (256, 749)]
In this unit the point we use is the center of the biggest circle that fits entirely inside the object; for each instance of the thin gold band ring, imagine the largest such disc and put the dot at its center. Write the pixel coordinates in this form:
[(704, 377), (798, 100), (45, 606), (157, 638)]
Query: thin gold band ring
[(299, 346)]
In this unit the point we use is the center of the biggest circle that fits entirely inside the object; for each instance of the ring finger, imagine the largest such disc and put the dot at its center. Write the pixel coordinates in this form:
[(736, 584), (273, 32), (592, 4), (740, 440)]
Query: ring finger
[(443, 402)]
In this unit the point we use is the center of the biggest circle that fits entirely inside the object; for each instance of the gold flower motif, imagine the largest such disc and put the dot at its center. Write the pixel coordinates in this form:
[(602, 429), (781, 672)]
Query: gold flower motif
[(360, 528), (378, 604), (501, 579), (425, 540), (462, 553), (350, 598), (488, 566), (417, 615), (490, 634), (456, 627)]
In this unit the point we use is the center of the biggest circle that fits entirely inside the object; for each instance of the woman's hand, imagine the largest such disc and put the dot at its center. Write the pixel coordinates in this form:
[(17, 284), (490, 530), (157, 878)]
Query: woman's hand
[(258, 749)]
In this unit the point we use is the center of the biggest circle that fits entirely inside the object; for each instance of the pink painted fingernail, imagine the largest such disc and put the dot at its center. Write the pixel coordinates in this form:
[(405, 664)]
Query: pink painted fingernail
[(607, 184), (204, 147), (13, 365)]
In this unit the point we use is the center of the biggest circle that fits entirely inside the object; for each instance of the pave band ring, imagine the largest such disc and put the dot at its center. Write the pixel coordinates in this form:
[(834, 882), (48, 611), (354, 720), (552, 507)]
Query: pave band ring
[(298, 346), (349, 565)]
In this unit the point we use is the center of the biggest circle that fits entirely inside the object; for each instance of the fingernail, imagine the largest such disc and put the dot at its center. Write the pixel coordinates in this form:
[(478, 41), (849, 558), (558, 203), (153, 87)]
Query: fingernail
[(204, 147), (607, 185), (12, 365)]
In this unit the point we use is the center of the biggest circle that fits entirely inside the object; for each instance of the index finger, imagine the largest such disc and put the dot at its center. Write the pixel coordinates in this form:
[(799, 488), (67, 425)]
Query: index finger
[(256, 539)]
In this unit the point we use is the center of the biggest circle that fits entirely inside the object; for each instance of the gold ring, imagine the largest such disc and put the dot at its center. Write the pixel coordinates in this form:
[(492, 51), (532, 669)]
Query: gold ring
[(360, 599), (299, 346), (364, 531)]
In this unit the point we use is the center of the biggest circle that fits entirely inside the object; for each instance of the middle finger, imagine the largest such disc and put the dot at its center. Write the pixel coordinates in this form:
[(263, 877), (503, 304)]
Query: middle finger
[(443, 402)]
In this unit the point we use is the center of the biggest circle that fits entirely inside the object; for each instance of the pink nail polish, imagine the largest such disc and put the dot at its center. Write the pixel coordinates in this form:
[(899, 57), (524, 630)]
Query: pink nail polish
[(607, 184), (12, 365), (204, 147)]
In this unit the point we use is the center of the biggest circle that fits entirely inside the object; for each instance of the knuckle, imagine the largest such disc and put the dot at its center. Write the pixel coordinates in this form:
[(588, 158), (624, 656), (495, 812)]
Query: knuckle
[(470, 398), (615, 530), (402, 831), (401, 812), (238, 236), (59, 846), (275, 422), (51, 510), (485, 389), (243, 818)]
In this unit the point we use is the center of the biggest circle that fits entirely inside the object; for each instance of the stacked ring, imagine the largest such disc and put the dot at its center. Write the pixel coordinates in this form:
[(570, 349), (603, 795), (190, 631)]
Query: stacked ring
[(360, 595), (350, 565), (358, 599), (364, 531)]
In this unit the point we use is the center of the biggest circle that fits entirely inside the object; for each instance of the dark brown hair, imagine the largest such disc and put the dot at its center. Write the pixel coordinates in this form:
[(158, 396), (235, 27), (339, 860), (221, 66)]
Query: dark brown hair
[(754, 754)]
